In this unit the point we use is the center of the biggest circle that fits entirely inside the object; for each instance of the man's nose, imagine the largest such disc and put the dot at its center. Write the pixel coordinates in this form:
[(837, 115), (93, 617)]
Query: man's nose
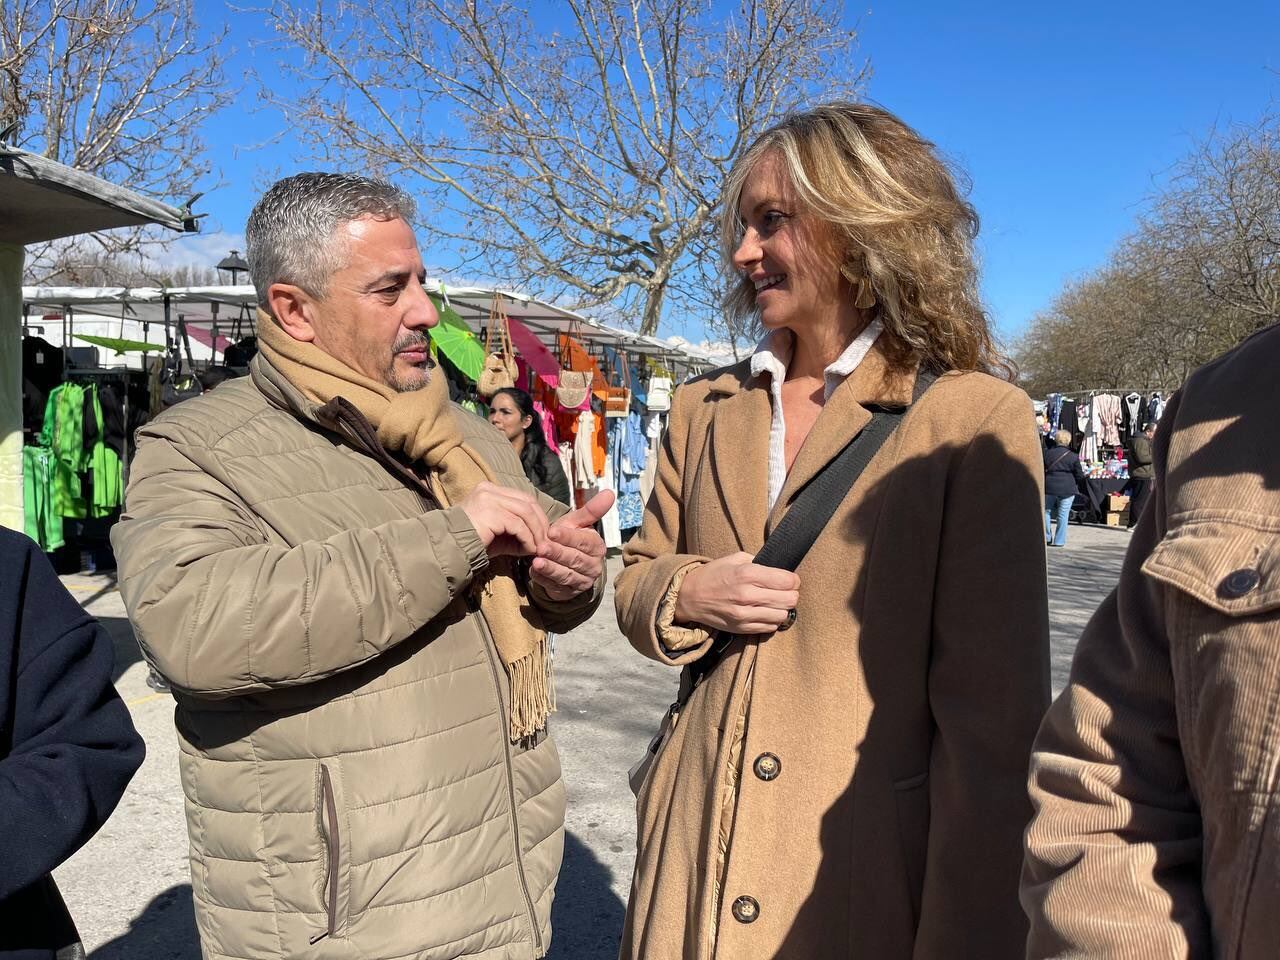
[(422, 313)]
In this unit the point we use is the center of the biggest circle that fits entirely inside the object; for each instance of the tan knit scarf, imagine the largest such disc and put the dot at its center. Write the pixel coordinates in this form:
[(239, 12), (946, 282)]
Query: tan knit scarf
[(423, 425)]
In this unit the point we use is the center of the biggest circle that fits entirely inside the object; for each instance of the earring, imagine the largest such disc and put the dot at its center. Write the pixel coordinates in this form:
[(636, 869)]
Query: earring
[(866, 298)]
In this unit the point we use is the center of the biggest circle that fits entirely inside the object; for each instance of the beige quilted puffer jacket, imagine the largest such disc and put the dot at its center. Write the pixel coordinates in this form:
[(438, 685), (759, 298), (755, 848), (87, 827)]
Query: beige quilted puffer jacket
[(351, 791)]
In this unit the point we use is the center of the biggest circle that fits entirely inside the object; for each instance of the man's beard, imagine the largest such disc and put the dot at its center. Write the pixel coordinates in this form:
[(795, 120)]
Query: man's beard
[(418, 379)]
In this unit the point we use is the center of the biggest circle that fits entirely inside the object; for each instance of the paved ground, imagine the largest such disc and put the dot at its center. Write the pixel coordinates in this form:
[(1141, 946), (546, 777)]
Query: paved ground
[(129, 888)]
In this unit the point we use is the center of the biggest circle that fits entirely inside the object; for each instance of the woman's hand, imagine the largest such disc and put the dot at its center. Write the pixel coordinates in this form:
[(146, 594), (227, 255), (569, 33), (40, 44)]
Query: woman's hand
[(737, 595)]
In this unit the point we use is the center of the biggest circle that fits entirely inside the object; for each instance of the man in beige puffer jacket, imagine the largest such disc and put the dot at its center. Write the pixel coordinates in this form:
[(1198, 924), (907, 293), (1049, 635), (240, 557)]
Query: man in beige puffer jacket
[(352, 786)]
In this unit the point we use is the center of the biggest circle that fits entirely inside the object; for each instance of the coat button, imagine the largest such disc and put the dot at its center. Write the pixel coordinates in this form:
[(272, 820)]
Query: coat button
[(767, 766), (1239, 583), (746, 910)]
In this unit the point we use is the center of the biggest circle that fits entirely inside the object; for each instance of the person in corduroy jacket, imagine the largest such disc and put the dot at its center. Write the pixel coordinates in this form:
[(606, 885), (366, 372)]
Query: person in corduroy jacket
[(1154, 772), (67, 746)]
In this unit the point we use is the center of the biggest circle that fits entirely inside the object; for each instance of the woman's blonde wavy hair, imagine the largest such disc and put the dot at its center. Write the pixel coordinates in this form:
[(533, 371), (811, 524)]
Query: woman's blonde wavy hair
[(900, 221)]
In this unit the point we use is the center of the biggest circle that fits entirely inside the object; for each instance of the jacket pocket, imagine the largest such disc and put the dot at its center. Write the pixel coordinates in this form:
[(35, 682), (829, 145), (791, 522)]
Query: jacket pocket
[(1230, 563), (1222, 621), (911, 802), (335, 893)]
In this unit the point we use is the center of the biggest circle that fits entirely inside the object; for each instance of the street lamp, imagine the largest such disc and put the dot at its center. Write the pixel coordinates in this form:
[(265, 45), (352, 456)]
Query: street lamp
[(233, 264)]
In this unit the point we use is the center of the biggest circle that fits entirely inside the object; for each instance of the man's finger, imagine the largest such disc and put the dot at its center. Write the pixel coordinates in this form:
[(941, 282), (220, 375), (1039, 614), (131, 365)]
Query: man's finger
[(590, 512), (568, 556), (587, 541)]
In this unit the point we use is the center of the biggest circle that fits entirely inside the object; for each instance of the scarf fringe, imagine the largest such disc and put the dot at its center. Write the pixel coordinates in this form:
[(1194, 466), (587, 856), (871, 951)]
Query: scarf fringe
[(533, 692)]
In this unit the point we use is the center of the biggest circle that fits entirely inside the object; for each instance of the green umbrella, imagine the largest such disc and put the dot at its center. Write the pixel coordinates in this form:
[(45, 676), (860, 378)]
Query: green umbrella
[(118, 345), (454, 337)]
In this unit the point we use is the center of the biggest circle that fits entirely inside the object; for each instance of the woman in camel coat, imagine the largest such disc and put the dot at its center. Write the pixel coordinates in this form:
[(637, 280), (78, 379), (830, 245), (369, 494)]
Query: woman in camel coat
[(851, 785)]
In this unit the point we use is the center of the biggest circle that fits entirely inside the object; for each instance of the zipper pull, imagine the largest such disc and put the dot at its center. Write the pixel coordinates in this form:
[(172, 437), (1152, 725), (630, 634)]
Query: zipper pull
[(318, 937)]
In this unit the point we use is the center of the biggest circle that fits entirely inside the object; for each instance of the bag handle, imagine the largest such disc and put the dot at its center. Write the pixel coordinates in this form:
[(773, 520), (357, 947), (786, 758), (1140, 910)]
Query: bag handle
[(813, 508), (498, 319)]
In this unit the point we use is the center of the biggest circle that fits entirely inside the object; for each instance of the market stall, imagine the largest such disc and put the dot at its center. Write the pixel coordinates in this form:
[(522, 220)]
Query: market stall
[(42, 200), (1103, 423), (601, 393)]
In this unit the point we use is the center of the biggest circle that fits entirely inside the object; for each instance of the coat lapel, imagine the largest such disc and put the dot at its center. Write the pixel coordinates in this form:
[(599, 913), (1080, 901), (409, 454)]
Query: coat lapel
[(874, 382), (740, 456)]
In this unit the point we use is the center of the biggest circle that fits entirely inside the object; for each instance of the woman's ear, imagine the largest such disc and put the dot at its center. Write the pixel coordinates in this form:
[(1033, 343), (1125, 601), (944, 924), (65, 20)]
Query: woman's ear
[(526, 422)]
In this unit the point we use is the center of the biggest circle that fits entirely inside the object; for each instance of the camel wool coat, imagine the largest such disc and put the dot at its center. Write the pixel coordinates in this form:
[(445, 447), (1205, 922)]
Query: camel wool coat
[(870, 801)]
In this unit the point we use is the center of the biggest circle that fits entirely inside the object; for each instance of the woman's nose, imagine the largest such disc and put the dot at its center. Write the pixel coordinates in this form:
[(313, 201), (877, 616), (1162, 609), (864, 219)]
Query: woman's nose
[(748, 251)]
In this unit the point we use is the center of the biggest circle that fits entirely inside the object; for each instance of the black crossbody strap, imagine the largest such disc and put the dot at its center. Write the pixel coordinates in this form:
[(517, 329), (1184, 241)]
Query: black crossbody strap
[(798, 530)]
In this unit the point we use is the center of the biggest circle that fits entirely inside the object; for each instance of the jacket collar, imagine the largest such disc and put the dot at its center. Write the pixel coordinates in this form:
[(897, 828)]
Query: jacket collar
[(740, 436)]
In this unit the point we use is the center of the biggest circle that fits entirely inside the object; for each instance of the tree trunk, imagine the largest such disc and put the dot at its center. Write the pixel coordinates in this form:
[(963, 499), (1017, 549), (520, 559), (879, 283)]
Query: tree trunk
[(653, 309)]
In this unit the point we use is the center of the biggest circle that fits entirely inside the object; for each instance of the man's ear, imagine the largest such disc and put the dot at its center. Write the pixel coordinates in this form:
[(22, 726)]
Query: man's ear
[(293, 309)]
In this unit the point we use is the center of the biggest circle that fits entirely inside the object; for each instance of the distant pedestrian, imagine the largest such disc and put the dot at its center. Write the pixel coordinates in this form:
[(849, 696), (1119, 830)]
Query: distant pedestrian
[(67, 748), (1141, 472), (1062, 473)]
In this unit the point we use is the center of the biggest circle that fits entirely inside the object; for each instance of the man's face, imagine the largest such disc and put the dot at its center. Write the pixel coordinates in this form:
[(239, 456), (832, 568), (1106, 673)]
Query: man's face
[(375, 315)]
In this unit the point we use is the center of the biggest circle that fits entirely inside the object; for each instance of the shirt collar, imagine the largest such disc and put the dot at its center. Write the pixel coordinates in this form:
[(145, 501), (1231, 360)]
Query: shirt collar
[(773, 356)]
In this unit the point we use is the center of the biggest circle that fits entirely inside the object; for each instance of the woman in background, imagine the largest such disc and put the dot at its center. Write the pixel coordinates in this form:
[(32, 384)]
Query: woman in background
[(511, 411), (1061, 471)]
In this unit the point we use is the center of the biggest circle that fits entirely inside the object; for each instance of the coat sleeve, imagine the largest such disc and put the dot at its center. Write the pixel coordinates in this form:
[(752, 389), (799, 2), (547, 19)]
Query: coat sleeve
[(658, 552), (73, 747), (988, 688), (1113, 860), (219, 610)]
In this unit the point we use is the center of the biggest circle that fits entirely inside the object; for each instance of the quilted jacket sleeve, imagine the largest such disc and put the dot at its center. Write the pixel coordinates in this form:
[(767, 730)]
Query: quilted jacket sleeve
[(220, 611)]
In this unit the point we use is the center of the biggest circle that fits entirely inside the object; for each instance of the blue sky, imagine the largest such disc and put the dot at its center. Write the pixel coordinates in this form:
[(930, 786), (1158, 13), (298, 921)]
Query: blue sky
[(1064, 116)]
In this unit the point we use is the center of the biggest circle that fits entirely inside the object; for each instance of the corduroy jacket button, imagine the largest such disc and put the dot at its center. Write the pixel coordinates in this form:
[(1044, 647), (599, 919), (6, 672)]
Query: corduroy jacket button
[(767, 766), (1240, 582), (746, 910)]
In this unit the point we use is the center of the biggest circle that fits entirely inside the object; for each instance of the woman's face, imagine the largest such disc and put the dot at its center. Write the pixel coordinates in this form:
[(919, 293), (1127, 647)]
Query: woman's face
[(788, 255), (505, 415)]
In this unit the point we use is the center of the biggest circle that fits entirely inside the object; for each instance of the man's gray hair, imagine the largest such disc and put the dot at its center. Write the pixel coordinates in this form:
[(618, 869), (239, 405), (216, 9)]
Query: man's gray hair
[(290, 233)]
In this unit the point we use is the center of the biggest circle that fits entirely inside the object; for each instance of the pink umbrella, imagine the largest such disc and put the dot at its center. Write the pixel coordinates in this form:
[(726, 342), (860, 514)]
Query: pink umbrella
[(542, 360)]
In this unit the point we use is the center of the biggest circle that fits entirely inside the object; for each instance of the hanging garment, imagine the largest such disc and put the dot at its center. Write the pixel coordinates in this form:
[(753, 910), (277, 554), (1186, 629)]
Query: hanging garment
[(565, 452), (584, 446), (41, 523), (107, 488), (610, 523), (650, 475), (1086, 421), (1130, 418), (1155, 408), (63, 435), (630, 458), (1053, 410), (1106, 415)]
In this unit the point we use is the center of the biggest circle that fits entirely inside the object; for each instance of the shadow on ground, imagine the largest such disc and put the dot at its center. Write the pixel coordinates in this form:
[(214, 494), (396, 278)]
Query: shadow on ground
[(586, 921), (165, 930)]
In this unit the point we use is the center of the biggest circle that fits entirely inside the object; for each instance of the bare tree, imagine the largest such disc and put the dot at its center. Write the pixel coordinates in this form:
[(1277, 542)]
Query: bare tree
[(1218, 222), (576, 149), (1200, 273), (116, 88)]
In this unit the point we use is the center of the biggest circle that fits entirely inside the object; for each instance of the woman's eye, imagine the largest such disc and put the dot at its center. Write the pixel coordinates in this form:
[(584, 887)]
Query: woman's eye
[(773, 219)]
